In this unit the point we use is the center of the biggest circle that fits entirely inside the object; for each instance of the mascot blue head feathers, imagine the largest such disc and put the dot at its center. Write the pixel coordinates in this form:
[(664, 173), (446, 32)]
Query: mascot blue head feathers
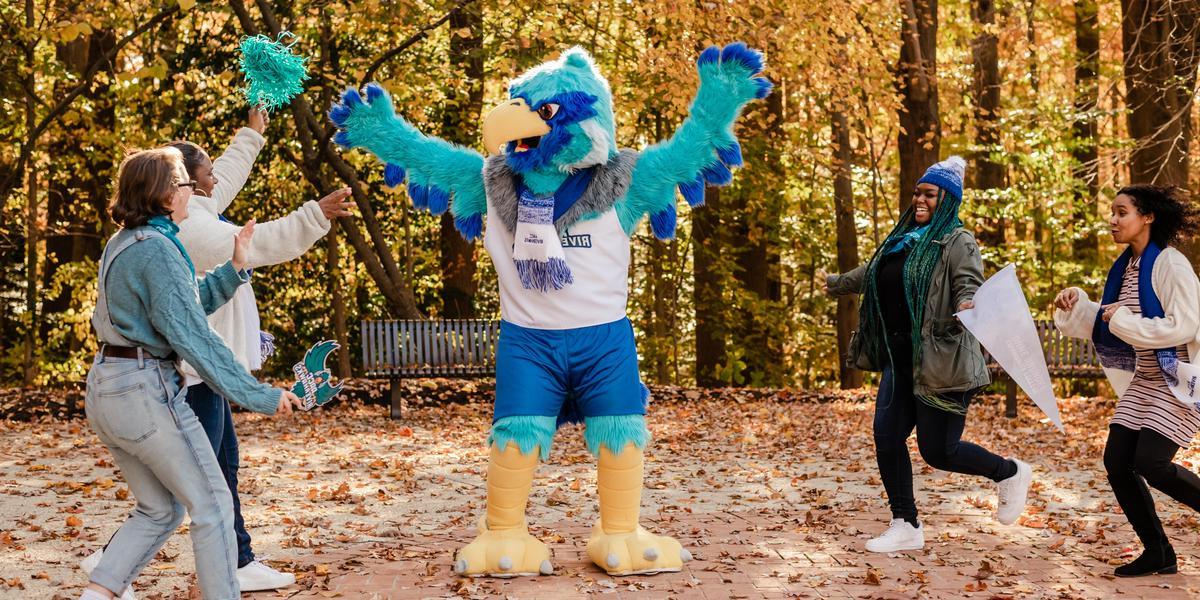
[(559, 117)]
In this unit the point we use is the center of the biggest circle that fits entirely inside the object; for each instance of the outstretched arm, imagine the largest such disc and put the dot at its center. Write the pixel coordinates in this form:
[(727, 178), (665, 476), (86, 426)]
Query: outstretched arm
[(232, 168), (704, 148), (440, 175)]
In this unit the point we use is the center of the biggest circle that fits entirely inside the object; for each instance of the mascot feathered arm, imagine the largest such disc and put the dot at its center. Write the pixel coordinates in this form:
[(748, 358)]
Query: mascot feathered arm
[(437, 171), (704, 148)]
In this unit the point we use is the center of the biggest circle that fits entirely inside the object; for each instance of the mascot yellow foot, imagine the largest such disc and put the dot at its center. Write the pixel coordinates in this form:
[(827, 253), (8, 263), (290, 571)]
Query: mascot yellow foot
[(504, 547), (618, 544)]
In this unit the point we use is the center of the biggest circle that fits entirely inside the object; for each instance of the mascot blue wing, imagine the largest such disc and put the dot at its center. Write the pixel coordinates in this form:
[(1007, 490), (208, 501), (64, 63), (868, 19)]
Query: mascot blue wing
[(440, 175), (704, 150)]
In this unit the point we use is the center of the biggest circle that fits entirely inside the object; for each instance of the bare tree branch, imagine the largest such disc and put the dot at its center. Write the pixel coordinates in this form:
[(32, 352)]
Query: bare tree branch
[(414, 38)]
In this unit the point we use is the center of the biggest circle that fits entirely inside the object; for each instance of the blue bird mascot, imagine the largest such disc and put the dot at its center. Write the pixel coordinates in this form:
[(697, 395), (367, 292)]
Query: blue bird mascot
[(561, 202)]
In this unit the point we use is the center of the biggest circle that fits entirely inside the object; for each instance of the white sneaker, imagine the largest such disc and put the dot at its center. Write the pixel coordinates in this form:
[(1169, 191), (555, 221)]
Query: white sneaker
[(89, 564), (900, 535), (256, 577), (1013, 492)]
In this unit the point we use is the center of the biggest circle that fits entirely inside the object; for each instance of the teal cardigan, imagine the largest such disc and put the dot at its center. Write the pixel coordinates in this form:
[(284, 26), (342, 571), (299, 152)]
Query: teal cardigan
[(155, 301)]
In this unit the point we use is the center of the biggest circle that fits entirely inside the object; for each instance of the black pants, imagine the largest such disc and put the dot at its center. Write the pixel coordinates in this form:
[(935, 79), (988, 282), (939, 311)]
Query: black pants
[(1135, 458), (897, 412)]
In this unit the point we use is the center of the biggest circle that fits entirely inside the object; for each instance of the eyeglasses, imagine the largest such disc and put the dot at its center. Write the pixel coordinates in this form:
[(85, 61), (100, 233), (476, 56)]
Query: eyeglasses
[(191, 184)]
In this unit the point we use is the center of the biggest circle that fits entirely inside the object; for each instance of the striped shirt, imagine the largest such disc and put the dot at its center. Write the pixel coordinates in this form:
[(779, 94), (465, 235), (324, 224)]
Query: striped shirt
[(1148, 402)]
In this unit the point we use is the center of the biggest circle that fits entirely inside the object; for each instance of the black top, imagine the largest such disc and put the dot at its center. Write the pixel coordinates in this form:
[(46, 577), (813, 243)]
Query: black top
[(889, 285)]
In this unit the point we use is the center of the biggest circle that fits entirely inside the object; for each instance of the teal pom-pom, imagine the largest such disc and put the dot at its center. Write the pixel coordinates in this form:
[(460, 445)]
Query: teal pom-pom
[(273, 74)]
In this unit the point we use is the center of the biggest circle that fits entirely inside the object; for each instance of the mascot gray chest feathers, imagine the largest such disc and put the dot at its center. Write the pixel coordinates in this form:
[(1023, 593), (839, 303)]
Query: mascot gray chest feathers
[(608, 185)]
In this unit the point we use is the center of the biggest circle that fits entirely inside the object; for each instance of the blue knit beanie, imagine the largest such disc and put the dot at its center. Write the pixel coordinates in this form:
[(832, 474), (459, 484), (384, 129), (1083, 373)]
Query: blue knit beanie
[(947, 175)]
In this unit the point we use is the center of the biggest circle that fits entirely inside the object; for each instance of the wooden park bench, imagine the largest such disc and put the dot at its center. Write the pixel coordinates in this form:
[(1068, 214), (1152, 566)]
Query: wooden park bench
[(1067, 358), (466, 348), (396, 350)]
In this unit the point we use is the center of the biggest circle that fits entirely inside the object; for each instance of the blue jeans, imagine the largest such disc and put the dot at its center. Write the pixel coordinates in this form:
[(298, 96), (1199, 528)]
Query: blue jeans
[(136, 407), (217, 420)]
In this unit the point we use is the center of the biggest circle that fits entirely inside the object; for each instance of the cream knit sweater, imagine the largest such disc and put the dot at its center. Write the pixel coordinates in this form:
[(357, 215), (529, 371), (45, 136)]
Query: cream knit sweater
[(1178, 289), (209, 242)]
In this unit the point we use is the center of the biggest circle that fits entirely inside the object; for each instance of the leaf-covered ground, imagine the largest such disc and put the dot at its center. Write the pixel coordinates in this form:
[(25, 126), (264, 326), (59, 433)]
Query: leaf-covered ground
[(774, 492)]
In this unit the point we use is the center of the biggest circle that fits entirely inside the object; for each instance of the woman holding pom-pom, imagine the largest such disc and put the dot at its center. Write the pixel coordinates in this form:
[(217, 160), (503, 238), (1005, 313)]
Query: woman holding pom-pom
[(927, 269)]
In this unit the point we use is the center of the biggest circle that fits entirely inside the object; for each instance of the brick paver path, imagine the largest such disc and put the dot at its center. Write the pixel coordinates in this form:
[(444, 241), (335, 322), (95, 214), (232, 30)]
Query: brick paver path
[(775, 553), (774, 497)]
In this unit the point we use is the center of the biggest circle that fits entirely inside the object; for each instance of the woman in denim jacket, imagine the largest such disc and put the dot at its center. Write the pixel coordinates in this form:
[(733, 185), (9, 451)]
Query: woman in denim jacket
[(150, 312)]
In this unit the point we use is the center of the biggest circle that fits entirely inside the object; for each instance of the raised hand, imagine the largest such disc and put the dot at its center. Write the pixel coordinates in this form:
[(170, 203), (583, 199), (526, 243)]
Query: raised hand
[(731, 72), (1066, 299), (440, 175), (241, 245), (259, 119), (336, 205), (704, 150)]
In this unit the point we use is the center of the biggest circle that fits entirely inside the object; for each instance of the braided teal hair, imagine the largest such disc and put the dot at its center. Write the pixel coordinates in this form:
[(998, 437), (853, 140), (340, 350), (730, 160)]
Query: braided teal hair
[(918, 272)]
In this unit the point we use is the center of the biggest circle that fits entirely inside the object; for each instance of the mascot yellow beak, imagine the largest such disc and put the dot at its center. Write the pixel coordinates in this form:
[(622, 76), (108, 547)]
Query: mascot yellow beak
[(509, 122)]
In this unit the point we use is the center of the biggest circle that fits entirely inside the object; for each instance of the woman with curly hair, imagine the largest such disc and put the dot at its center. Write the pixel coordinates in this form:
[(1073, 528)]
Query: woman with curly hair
[(1147, 321)]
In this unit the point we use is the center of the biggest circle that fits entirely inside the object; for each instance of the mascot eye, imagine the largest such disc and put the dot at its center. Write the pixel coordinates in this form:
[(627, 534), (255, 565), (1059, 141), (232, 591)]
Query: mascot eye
[(547, 111)]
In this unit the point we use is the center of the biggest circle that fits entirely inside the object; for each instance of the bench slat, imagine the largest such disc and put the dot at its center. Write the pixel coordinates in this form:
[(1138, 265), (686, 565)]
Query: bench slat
[(1065, 357)]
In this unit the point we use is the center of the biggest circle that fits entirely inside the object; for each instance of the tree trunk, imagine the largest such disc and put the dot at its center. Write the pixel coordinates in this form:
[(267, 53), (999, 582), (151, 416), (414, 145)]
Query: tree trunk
[(76, 199), (1084, 151), (847, 243), (460, 123), (32, 237), (662, 297), (1037, 210), (758, 239), (920, 138), (710, 331), (989, 174), (337, 298), (1159, 41)]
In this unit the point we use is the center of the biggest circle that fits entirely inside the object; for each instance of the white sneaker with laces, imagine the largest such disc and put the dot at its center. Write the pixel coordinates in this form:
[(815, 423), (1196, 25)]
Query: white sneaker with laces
[(1013, 492), (257, 576), (89, 564), (900, 535)]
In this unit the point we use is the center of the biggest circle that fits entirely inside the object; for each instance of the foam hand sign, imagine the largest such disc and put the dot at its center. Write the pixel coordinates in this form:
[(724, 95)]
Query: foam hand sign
[(313, 381)]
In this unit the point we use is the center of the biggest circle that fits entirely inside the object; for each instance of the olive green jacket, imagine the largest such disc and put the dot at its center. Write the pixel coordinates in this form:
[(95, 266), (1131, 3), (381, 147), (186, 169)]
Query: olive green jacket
[(951, 358)]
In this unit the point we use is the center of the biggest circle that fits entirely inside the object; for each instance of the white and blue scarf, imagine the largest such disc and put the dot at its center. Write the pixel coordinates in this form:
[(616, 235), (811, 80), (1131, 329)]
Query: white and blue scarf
[(1114, 352), (537, 249)]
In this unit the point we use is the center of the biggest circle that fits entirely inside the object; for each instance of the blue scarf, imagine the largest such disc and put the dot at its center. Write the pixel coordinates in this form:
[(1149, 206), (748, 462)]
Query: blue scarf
[(568, 192), (537, 249), (905, 240), (1114, 352), (167, 227)]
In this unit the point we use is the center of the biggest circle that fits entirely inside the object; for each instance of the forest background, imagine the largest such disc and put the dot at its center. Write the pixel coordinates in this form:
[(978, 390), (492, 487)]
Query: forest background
[(1054, 103)]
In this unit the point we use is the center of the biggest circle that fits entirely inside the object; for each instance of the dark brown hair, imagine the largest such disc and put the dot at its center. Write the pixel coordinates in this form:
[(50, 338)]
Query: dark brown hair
[(145, 183), (1174, 215), (192, 153)]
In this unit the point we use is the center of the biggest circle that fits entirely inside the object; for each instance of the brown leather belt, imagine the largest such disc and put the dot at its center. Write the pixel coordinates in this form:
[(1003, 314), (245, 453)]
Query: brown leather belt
[(132, 352)]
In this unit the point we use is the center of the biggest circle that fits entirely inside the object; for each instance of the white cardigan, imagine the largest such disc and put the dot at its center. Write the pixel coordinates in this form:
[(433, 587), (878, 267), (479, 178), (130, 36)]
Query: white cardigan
[(1177, 287), (209, 242)]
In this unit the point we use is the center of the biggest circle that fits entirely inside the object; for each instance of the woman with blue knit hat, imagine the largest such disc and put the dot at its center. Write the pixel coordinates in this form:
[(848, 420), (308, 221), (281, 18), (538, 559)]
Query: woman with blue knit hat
[(927, 269), (1146, 323)]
